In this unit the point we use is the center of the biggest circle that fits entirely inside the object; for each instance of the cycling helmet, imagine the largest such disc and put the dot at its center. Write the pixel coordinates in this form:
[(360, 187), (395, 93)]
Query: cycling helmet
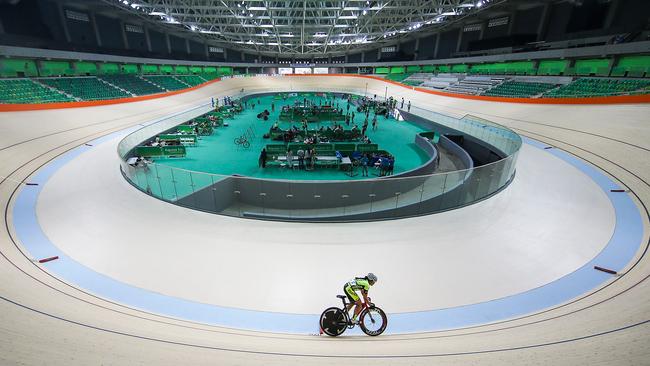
[(372, 278)]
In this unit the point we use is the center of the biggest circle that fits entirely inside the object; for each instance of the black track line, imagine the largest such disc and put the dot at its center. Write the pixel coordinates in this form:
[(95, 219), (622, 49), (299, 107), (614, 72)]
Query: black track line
[(474, 113), (306, 355), (157, 315), (80, 127)]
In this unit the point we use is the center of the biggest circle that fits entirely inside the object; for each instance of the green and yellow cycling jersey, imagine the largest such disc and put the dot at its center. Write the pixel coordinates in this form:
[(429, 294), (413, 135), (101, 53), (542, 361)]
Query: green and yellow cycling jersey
[(359, 283)]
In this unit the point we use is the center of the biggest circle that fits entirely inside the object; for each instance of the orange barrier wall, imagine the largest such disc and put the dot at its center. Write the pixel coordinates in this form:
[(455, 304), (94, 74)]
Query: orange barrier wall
[(94, 103), (618, 99)]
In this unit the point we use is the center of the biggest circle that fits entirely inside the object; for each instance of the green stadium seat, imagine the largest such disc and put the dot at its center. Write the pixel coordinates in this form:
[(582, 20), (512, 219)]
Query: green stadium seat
[(167, 82), (552, 67), (182, 70), (17, 68), (590, 87), (108, 69), (459, 69), (22, 91), (55, 68), (133, 84), (397, 77), (84, 68), (129, 69), (428, 68), (192, 80), (382, 70), (597, 67), (149, 69), (85, 88), (632, 66), (516, 89)]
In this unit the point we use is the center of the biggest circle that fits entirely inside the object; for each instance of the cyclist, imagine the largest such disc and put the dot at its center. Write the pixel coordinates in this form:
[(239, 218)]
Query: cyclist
[(358, 284)]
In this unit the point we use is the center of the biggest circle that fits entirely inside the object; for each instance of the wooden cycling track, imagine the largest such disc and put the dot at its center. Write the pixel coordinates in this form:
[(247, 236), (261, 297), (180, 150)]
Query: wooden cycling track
[(47, 321)]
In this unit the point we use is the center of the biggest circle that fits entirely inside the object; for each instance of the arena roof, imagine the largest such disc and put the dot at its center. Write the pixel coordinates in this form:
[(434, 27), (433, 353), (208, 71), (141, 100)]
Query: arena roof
[(306, 27)]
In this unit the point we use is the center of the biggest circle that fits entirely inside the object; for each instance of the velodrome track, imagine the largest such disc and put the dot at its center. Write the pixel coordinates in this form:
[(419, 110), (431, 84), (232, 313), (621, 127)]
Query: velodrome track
[(48, 321)]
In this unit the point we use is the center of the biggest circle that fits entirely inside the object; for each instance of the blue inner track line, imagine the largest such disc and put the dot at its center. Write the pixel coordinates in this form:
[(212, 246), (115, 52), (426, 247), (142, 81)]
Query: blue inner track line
[(620, 250)]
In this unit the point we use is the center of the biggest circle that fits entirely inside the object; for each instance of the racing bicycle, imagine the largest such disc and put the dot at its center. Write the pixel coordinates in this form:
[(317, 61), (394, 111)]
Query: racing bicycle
[(334, 321), (243, 141)]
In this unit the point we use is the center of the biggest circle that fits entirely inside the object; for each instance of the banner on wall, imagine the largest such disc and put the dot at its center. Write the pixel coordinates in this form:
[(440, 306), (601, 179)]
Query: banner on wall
[(285, 70), (321, 70), (302, 70)]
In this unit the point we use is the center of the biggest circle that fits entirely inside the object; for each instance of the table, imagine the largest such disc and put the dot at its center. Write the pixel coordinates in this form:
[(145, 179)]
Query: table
[(345, 161)]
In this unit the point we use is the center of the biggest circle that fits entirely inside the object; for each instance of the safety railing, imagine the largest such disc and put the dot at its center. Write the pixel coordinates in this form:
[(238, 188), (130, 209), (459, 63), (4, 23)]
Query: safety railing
[(331, 200)]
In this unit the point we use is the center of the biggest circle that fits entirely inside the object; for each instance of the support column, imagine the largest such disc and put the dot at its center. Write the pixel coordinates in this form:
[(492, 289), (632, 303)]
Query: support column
[(460, 37), (147, 39), (613, 8), (169, 44), (416, 49), (91, 15), (543, 23), (64, 24), (435, 48), (123, 31), (511, 22), (2, 29), (187, 45)]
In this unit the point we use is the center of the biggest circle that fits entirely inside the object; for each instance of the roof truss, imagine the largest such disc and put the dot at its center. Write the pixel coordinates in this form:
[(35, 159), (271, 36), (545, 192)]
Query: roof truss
[(304, 27)]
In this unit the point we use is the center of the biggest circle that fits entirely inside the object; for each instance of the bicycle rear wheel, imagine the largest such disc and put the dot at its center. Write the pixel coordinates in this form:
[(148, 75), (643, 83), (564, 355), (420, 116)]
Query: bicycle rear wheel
[(246, 144), (373, 321), (333, 322)]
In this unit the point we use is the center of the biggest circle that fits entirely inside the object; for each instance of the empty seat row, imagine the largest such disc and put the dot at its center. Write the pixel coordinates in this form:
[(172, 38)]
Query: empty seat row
[(519, 89), (133, 84), (28, 91), (587, 87), (167, 82), (85, 88), (191, 80)]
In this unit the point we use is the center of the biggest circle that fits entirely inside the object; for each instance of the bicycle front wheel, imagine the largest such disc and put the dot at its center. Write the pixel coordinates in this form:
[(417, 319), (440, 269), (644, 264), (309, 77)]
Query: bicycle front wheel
[(246, 144), (333, 322), (373, 321)]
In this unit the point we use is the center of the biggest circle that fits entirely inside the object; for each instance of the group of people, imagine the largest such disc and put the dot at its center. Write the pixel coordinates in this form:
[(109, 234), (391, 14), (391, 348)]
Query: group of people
[(253, 104), (158, 142), (306, 158), (384, 162), (227, 101)]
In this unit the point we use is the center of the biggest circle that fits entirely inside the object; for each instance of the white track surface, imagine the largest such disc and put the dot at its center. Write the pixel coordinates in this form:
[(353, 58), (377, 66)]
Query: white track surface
[(49, 322), (460, 257)]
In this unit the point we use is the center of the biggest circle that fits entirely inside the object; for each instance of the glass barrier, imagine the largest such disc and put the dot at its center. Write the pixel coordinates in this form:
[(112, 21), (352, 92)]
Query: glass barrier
[(342, 200)]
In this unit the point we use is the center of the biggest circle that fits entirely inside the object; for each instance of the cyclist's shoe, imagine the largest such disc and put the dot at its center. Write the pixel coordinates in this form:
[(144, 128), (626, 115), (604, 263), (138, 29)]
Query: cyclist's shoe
[(355, 321)]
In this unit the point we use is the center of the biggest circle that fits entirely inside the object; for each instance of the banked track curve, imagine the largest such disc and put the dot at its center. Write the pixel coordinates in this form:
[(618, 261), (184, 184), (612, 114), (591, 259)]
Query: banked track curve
[(31, 283)]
